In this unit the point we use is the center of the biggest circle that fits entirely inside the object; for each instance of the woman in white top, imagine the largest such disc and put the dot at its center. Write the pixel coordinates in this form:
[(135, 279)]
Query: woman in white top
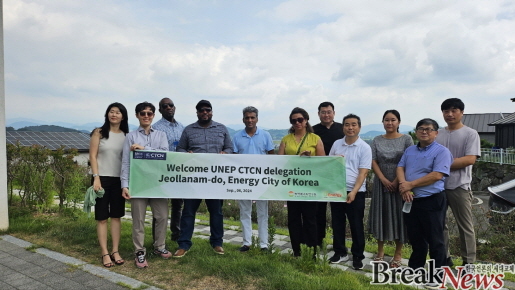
[(105, 156)]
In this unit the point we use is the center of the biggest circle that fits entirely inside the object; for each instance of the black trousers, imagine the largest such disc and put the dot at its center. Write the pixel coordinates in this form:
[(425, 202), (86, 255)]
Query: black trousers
[(425, 223), (175, 218), (355, 212), (302, 224), (321, 221)]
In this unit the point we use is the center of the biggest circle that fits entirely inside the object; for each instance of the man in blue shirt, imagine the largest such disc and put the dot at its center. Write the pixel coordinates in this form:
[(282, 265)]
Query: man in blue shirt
[(173, 130), (421, 173), (253, 140)]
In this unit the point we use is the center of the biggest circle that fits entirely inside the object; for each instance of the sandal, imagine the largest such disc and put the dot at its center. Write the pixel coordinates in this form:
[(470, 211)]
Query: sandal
[(395, 263), (117, 262), (378, 259), (107, 265)]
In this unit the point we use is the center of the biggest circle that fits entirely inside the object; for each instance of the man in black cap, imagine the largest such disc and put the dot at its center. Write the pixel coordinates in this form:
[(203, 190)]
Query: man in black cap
[(203, 136)]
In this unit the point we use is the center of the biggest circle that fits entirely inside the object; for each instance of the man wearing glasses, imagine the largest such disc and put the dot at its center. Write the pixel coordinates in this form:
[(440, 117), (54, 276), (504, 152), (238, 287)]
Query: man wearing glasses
[(421, 173), (173, 130), (145, 138), (203, 136), (329, 131)]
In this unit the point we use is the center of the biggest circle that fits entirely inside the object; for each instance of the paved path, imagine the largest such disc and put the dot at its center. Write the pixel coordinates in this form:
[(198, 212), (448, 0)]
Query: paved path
[(41, 269)]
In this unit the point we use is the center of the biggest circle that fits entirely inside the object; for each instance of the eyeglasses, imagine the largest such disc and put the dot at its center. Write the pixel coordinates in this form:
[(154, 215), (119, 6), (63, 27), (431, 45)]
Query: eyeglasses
[(148, 114), (422, 130), (294, 121), (207, 110), (166, 105)]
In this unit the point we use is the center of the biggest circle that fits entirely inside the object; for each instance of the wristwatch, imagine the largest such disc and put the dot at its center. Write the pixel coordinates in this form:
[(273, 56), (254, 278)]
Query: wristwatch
[(95, 175)]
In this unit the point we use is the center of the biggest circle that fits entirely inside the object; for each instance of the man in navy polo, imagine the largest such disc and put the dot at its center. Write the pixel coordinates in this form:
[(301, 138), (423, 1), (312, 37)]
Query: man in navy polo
[(253, 140), (421, 173)]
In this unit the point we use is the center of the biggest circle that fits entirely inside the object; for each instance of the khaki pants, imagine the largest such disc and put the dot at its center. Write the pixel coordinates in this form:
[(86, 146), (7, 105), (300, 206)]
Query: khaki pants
[(159, 207), (460, 201)]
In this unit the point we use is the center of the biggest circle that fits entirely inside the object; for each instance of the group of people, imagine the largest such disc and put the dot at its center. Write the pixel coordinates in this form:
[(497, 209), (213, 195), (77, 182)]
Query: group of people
[(432, 175)]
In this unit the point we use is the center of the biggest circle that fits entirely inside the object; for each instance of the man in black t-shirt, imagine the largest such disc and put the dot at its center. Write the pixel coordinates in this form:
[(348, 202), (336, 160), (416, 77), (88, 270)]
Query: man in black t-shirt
[(329, 131)]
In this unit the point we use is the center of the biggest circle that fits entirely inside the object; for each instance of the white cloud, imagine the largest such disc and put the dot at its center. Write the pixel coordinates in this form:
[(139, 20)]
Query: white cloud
[(70, 59)]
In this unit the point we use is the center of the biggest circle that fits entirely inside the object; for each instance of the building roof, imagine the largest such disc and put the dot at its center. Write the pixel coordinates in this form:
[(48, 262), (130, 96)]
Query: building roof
[(481, 122), (508, 119), (50, 140)]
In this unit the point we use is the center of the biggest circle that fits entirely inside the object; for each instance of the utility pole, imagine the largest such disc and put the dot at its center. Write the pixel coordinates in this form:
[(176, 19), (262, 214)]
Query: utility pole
[(4, 215)]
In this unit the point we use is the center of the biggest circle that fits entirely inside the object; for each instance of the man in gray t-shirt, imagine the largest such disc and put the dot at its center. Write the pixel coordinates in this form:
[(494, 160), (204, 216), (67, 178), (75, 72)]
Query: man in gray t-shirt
[(465, 146)]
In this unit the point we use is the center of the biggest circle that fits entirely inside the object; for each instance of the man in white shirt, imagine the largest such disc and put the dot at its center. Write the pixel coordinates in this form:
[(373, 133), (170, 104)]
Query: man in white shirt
[(358, 161)]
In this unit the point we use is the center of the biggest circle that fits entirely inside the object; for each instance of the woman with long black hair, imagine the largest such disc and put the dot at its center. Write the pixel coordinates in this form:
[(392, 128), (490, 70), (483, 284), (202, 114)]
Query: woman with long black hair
[(105, 156)]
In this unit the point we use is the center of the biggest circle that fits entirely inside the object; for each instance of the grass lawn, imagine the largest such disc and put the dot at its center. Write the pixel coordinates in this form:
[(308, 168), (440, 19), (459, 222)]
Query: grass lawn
[(74, 234)]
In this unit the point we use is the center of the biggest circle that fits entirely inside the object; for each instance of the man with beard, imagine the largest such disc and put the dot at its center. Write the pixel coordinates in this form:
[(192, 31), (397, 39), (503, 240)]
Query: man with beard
[(173, 130), (203, 136)]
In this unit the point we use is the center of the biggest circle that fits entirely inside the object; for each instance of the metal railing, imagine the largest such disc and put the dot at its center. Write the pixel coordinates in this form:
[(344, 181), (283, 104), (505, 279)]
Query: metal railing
[(501, 156)]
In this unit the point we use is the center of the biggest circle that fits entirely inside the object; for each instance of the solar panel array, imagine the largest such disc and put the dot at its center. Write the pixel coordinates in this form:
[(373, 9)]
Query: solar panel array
[(50, 140)]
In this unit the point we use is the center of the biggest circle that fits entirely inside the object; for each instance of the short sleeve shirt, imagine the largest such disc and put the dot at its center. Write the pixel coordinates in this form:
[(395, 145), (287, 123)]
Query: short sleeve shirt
[(173, 131), (260, 143), (212, 139), (462, 142), (329, 135), (357, 155), (419, 162)]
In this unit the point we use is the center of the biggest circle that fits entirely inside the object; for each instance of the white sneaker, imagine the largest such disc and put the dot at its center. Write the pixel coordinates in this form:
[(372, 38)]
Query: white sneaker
[(337, 258)]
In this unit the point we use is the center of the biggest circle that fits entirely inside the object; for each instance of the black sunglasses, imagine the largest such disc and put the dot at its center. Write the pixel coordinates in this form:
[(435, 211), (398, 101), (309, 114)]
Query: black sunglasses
[(207, 110), (294, 121), (165, 105), (148, 114)]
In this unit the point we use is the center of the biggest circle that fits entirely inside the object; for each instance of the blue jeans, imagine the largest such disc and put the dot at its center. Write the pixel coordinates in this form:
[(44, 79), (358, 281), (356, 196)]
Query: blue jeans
[(216, 222)]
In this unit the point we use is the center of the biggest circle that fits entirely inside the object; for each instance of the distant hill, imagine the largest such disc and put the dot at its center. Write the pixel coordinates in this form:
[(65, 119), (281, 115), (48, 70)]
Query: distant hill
[(278, 134), (380, 127), (47, 128), (373, 134)]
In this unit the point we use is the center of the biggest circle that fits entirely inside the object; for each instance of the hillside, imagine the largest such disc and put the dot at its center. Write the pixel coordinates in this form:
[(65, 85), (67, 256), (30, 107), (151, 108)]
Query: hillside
[(48, 128)]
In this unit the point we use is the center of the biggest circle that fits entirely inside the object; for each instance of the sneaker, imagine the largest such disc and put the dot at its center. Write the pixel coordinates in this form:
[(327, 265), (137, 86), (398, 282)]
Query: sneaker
[(357, 264), (140, 260), (163, 253), (264, 249), (179, 253), (244, 248), (219, 250), (337, 258)]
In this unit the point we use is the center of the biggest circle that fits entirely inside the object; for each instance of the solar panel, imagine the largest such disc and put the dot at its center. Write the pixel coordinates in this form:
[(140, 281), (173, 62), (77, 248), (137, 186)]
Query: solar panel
[(50, 140)]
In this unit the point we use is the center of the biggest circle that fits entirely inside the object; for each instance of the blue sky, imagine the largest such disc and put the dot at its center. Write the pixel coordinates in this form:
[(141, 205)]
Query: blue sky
[(65, 61)]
